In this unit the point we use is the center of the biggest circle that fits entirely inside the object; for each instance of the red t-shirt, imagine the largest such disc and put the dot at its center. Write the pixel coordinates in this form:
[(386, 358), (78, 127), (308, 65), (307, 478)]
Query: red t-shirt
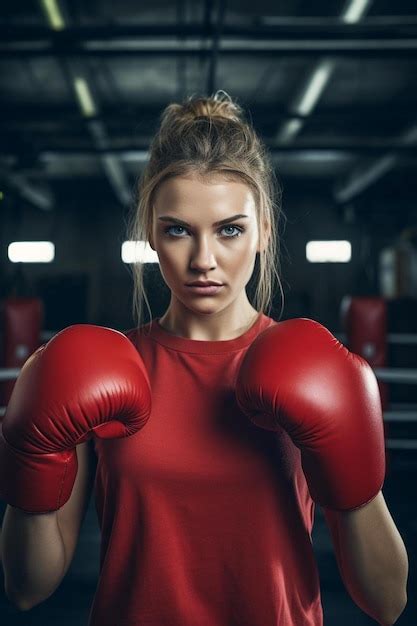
[(205, 518)]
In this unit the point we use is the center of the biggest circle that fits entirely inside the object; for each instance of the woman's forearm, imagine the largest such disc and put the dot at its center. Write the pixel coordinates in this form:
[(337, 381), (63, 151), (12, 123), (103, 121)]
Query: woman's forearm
[(33, 556), (372, 559)]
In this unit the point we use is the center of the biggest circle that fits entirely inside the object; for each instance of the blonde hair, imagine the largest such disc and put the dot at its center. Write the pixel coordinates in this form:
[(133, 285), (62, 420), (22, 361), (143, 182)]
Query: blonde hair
[(208, 136)]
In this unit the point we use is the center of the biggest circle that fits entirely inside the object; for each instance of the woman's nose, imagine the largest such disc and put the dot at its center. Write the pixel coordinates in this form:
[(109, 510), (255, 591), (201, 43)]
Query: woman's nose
[(202, 254)]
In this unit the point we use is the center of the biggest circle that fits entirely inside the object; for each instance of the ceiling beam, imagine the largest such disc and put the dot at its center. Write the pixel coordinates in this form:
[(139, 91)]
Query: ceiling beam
[(337, 39), (385, 49), (143, 115), (37, 195), (325, 29), (363, 148)]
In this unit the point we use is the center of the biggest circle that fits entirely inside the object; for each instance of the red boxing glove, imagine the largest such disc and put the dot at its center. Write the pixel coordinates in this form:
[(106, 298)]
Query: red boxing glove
[(297, 376), (87, 380)]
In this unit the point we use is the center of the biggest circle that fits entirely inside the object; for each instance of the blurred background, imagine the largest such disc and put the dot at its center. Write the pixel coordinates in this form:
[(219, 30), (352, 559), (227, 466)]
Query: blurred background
[(330, 86)]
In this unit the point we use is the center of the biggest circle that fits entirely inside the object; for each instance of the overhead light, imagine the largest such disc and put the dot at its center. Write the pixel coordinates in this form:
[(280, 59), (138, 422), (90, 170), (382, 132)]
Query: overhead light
[(53, 14), (313, 91), (85, 97), (138, 252), (289, 129), (361, 178), (136, 156), (31, 252), (37, 195), (354, 11), (328, 251)]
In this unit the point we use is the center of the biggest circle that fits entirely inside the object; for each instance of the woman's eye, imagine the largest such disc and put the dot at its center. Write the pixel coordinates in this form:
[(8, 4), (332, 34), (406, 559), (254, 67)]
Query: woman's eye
[(237, 234), (238, 228)]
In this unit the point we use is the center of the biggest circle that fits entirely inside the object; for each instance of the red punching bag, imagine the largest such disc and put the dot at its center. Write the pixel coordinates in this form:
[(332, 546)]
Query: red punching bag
[(364, 320), (21, 324)]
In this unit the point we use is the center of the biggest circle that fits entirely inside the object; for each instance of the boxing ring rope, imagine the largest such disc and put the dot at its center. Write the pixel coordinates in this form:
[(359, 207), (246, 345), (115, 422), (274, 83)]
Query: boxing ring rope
[(385, 374), (395, 338), (397, 375)]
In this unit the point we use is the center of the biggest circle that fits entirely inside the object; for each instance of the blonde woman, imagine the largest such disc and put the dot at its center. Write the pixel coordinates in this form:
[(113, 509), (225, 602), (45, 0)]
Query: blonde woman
[(218, 435)]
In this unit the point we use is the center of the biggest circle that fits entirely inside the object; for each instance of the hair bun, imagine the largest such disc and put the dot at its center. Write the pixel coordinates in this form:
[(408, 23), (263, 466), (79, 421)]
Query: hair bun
[(219, 105)]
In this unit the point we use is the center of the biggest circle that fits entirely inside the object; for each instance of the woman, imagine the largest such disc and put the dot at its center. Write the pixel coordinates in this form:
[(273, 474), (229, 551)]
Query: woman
[(206, 515)]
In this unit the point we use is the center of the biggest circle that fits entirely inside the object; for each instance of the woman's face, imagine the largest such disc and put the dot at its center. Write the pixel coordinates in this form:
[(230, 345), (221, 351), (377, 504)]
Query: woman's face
[(191, 246)]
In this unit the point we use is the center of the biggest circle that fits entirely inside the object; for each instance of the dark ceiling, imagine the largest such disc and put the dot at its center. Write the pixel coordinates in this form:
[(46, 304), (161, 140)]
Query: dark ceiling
[(355, 140)]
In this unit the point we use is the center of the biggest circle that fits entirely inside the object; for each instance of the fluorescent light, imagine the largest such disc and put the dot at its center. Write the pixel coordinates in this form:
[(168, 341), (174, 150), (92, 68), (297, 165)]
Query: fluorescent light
[(138, 252), (289, 129), (54, 15), (31, 252), (313, 91), (354, 12), (328, 251), (84, 96)]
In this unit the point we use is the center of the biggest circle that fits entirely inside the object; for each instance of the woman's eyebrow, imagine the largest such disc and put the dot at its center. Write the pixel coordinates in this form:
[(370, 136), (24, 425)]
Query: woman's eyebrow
[(169, 218)]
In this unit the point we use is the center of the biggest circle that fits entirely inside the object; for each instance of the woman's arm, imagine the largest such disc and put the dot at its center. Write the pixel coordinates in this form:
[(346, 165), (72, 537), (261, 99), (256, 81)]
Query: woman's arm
[(33, 556), (372, 559), (37, 549)]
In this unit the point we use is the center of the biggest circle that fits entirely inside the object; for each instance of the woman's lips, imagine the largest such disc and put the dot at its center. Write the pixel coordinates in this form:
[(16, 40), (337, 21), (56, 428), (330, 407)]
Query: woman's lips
[(211, 290)]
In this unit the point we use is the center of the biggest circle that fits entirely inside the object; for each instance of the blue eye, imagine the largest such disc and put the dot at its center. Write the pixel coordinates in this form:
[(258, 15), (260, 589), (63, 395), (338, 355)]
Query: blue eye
[(238, 228)]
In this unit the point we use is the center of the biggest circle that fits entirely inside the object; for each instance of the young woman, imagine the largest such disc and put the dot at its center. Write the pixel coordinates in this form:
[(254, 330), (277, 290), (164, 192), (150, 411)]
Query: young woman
[(216, 429)]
